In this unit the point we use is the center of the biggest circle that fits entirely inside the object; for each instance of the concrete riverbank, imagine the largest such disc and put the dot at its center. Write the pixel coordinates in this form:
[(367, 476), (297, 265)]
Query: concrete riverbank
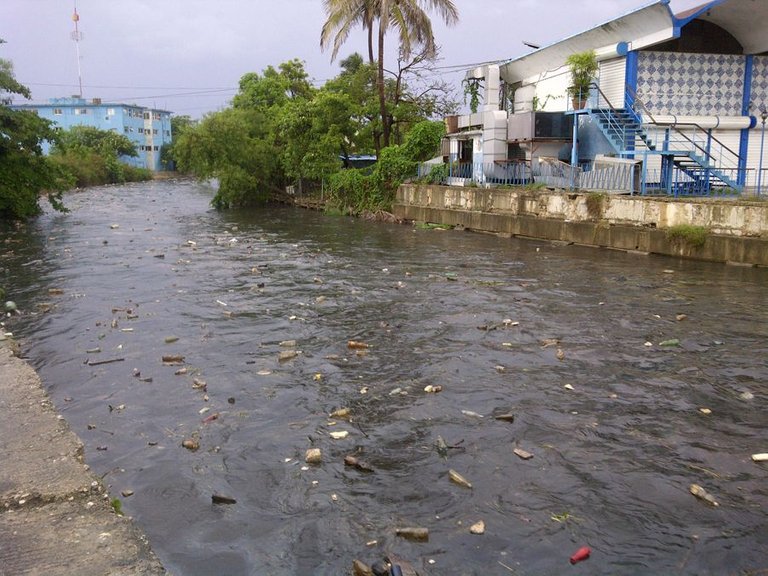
[(731, 230), (55, 515)]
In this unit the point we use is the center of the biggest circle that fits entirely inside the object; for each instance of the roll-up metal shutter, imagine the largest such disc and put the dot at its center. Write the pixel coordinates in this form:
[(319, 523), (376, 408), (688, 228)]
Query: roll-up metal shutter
[(612, 76)]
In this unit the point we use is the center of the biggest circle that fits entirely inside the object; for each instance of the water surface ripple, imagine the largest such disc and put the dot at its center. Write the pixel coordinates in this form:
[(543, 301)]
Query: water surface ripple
[(614, 452)]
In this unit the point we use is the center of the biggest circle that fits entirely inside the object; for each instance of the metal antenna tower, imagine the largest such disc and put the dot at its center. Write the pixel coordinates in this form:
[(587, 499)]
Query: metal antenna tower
[(76, 35)]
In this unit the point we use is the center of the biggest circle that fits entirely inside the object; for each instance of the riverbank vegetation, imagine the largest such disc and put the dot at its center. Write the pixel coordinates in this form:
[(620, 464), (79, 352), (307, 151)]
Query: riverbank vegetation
[(81, 156), (93, 157), (282, 135), (25, 172)]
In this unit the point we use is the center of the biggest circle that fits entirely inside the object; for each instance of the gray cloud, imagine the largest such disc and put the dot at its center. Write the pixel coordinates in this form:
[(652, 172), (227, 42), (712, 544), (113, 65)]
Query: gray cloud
[(155, 51)]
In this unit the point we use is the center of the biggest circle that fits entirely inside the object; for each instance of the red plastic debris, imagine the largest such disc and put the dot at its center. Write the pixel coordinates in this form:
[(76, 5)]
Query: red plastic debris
[(210, 418), (581, 554)]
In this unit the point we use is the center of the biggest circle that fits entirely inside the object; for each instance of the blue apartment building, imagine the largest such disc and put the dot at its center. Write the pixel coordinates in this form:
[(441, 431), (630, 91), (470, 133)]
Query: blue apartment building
[(147, 128)]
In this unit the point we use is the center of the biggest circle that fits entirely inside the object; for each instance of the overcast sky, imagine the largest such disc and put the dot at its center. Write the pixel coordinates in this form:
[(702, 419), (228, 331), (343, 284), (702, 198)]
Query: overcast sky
[(187, 56)]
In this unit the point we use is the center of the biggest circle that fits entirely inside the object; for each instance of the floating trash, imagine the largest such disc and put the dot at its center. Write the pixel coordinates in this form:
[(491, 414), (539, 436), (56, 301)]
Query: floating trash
[(313, 456), (457, 478), (702, 494), (287, 355), (524, 454), (581, 554), (354, 462), (413, 533), (477, 528), (191, 444)]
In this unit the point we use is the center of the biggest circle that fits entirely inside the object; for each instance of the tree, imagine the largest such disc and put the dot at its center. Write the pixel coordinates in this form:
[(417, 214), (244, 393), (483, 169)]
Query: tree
[(357, 81), (314, 135), (256, 147), (234, 147), (93, 139), (93, 156), (410, 19), (25, 172), (179, 125), (274, 88), (416, 95), (343, 16)]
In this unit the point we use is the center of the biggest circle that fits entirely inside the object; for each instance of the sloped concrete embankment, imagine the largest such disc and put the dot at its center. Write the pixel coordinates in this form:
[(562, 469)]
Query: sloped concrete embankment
[(55, 515)]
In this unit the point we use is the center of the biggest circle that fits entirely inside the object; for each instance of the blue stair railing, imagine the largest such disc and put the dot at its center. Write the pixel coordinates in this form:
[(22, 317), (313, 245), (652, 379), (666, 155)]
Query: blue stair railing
[(704, 160)]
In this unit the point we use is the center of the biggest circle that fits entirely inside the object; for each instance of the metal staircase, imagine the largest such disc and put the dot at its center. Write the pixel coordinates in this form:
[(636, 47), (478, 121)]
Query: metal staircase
[(693, 161)]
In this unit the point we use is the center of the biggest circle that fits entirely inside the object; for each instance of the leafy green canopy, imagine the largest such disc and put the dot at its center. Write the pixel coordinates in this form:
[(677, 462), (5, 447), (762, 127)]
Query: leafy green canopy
[(357, 192), (88, 138), (24, 172), (93, 156), (281, 131)]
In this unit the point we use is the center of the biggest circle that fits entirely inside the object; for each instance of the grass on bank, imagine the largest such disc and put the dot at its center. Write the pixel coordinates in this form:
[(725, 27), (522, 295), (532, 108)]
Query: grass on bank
[(694, 236)]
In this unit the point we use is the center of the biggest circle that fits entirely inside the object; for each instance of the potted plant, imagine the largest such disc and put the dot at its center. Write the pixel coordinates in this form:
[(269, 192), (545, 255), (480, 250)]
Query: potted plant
[(583, 67)]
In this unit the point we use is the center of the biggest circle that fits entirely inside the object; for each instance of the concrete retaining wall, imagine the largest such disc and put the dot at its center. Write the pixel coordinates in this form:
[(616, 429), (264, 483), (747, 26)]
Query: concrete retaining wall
[(738, 229)]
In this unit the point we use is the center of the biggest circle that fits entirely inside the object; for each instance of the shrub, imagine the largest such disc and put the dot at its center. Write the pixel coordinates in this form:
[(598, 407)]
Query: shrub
[(437, 175), (694, 236), (594, 202)]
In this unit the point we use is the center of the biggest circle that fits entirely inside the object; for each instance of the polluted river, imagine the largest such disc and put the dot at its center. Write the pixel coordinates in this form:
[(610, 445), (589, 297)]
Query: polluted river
[(468, 404)]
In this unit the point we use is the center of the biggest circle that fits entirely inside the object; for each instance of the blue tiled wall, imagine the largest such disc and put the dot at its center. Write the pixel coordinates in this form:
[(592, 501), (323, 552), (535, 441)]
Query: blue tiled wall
[(760, 82), (691, 84)]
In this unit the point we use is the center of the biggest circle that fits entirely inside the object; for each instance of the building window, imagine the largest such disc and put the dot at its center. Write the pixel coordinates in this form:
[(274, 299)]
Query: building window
[(154, 131), (57, 112), (146, 115), (126, 129), (155, 116), (110, 111), (157, 148), (81, 111), (141, 130)]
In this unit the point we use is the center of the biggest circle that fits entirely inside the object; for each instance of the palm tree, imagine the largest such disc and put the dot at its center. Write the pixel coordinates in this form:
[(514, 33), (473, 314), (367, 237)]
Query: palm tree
[(408, 16), (414, 28), (343, 16)]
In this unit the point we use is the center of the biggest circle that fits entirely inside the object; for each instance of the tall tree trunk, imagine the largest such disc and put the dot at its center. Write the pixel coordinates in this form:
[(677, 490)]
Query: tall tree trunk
[(371, 59), (380, 86)]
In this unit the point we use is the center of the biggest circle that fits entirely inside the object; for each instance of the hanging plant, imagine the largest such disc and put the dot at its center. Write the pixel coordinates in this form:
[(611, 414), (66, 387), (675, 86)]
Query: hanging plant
[(472, 87)]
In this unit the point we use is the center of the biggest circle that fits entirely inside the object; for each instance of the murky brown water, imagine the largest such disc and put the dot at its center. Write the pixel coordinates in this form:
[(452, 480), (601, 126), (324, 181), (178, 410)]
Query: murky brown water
[(613, 456)]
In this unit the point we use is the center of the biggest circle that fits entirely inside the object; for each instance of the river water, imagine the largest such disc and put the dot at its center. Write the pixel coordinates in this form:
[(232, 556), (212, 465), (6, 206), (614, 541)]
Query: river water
[(565, 338)]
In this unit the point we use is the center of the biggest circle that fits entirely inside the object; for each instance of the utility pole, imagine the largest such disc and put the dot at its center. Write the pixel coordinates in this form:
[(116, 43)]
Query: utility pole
[(76, 35)]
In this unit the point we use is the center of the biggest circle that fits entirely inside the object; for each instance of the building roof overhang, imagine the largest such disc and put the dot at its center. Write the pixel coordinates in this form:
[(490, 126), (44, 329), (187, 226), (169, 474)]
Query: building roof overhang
[(645, 27), (648, 25), (744, 19)]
